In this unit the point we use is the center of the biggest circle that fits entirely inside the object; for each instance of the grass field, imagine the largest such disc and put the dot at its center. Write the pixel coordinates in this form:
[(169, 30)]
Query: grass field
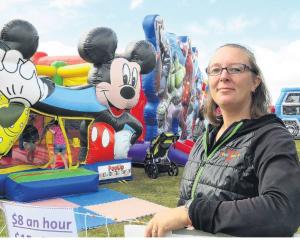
[(163, 190)]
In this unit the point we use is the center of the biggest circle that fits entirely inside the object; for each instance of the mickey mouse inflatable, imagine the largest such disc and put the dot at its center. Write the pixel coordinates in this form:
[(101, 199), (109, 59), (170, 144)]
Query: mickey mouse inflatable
[(114, 88), (118, 85)]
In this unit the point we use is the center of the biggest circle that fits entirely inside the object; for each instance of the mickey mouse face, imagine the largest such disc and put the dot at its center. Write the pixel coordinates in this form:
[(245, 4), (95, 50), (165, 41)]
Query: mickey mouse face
[(123, 91)]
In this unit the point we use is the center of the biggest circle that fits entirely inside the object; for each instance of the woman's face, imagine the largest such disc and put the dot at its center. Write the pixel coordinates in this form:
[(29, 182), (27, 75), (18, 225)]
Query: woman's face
[(231, 91)]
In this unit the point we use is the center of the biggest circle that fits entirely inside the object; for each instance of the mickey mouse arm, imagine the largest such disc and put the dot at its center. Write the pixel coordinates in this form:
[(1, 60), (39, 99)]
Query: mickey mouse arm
[(136, 126), (119, 123)]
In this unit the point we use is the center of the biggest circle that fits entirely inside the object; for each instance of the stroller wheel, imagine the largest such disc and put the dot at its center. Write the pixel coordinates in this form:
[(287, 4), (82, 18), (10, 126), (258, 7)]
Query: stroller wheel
[(147, 163), (152, 171), (146, 168), (173, 170)]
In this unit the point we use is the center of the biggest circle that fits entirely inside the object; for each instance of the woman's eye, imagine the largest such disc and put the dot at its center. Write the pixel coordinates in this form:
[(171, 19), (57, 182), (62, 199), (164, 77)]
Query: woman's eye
[(215, 70), (234, 70)]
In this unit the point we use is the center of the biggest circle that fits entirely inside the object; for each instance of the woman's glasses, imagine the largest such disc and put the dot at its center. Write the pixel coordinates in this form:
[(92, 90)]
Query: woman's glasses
[(237, 68)]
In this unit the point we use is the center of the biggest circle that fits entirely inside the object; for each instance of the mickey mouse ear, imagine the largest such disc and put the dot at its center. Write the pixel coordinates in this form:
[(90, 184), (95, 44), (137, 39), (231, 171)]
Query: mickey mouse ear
[(98, 45), (22, 36), (4, 46), (143, 53)]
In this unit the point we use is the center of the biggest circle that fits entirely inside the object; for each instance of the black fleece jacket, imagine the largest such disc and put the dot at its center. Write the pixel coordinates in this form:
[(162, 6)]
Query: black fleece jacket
[(275, 211)]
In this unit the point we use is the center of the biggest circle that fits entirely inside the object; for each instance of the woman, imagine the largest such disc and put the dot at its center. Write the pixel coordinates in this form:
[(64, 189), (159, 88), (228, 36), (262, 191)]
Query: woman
[(242, 177)]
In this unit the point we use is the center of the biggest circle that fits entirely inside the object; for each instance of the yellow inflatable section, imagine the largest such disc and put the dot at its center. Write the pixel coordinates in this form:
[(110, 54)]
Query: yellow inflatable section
[(75, 81), (76, 70), (10, 134), (46, 70), (73, 75)]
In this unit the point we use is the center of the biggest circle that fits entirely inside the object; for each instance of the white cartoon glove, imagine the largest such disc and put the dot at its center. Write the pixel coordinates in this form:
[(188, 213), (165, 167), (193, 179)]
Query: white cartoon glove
[(18, 79), (122, 144)]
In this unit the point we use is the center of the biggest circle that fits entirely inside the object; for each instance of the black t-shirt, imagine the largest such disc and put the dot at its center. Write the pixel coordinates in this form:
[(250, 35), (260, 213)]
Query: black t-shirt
[(30, 134)]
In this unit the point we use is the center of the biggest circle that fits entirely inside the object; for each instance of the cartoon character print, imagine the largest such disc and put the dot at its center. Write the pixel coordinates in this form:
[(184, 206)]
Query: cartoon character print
[(124, 90), (119, 96), (117, 80), (114, 82), (187, 87), (101, 142), (10, 129), (20, 87), (164, 57)]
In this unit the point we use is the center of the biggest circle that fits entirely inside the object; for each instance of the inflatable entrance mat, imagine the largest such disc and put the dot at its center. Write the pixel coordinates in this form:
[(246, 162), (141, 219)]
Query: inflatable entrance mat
[(44, 184)]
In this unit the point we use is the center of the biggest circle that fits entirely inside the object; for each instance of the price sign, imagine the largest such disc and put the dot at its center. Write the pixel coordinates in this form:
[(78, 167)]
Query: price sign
[(30, 221)]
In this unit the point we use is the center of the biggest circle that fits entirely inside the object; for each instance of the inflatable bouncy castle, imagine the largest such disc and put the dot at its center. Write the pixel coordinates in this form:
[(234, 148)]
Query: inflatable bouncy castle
[(96, 126), (175, 81), (107, 106), (173, 90)]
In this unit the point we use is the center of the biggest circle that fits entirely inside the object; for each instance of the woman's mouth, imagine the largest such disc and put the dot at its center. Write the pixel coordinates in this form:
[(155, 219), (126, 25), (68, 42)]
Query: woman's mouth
[(225, 89)]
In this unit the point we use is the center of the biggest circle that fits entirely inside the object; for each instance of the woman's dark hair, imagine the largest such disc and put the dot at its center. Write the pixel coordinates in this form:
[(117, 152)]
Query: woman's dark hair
[(260, 97)]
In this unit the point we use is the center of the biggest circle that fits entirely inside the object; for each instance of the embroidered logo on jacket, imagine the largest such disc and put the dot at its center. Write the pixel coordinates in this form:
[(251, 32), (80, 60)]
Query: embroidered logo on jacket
[(229, 154)]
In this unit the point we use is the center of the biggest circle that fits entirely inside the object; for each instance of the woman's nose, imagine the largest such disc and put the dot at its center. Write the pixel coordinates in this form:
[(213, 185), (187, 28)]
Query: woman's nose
[(224, 75), (224, 72)]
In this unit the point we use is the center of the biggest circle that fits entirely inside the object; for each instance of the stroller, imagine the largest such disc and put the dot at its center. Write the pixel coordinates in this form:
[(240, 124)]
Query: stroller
[(157, 160)]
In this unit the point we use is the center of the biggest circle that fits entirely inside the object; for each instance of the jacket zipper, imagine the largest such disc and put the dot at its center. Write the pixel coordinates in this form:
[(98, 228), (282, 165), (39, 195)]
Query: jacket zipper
[(200, 170)]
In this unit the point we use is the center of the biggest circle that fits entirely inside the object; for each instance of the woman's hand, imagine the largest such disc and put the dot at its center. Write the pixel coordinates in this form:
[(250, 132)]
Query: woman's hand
[(166, 221)]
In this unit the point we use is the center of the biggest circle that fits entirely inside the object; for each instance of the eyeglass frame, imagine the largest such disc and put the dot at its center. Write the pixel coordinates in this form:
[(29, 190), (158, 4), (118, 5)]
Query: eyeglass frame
[(246, 67)]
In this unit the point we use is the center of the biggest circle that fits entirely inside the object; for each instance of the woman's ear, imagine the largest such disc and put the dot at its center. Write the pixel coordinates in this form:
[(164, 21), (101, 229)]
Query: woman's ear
[(257, 81)]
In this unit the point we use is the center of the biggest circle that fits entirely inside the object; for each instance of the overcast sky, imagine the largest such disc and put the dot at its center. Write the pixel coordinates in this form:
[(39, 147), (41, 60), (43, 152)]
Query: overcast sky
[(271, 28)]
